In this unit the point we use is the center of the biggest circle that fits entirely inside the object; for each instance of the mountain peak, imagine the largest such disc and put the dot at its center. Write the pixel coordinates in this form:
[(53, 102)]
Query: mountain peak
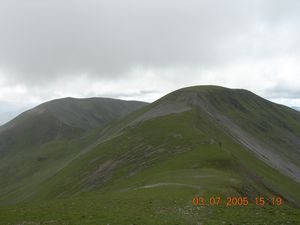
[(243, 115)]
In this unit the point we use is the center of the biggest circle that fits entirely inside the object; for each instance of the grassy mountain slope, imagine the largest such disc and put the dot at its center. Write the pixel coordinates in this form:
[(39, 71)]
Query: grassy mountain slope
[(61, 118), (146, 169), (38, 142)]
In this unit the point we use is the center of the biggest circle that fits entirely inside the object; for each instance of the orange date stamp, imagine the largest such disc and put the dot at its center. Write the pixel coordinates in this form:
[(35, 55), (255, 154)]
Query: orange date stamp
[(236, 201)]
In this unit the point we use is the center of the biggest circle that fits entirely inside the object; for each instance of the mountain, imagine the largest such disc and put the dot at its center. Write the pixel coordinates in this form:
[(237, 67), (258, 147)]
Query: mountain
[(62, 118), (41, 139), (146, 168)]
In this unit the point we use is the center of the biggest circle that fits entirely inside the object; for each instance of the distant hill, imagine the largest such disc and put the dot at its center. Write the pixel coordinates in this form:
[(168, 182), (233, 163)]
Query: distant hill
[(62, 118), (145, 168)]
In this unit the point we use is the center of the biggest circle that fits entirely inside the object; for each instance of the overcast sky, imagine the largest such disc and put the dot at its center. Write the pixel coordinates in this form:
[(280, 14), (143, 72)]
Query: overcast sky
[(143, 49)]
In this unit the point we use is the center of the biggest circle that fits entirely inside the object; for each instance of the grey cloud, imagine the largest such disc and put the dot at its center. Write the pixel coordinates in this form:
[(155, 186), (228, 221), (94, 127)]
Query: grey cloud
[(132, 94), (277, 11), (48, 39), (283, 91), (47, 46)]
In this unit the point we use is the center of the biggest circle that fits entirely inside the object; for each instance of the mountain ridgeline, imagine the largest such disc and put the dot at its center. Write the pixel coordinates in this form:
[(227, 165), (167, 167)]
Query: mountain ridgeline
[(114, 157), (62, 118)]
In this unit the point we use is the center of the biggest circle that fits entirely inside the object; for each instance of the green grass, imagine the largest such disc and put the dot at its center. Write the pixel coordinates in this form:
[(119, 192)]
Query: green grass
[(157, 206), (175, 161), (148, 173)]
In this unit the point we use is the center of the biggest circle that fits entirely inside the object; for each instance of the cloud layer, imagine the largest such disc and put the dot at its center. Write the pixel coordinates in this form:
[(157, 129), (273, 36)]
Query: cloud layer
[(142, 49)]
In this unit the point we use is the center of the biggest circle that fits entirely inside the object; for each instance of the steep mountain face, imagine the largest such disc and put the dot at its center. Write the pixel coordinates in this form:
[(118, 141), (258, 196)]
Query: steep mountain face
[(269, 130), (204, 140)]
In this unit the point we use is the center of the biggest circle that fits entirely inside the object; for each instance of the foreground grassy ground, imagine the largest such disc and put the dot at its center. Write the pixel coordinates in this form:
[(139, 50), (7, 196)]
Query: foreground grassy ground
[(153, 206)]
